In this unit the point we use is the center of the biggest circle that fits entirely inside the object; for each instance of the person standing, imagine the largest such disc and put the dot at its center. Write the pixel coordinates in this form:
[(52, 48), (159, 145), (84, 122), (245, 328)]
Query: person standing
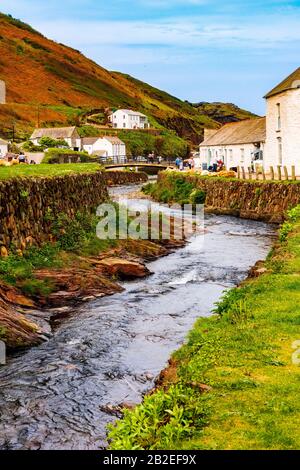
[(177, 163)]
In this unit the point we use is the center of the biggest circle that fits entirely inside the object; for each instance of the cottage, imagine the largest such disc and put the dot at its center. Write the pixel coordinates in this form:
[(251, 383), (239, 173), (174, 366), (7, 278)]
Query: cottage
[(128, 119), (283, 124), (3, 148), (273, 140), (69, 134), (236, 144), (107, 147)]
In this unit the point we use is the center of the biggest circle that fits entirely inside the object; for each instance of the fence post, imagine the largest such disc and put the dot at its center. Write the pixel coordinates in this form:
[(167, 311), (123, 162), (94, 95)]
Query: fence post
[(243, 173), (286, 173), (263, 174), (279, 172), (272, 173), (293, 172), (249, 172), (239, 172)]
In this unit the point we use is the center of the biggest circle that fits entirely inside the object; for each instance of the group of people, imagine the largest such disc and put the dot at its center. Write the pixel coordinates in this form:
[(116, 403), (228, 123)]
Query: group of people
[(215, 165), (14, 159), (181, 164)]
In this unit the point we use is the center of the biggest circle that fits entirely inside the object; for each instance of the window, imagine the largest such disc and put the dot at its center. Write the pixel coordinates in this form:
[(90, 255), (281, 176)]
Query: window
[(124, 117), (230, 155), (278, 117), (124, 125), (279, 140), (242, 156)]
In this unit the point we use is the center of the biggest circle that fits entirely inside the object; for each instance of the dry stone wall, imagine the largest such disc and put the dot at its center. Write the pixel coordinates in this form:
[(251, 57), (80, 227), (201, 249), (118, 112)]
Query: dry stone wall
[(26, 203), (258, 200)]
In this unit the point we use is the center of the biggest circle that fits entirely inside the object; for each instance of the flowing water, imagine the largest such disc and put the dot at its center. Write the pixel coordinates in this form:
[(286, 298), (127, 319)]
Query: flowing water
[(61, 394)]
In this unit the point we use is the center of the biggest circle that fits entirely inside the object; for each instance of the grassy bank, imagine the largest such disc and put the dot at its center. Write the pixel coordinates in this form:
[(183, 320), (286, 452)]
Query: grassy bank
[(235, 383), (175, 189), (47, 170)]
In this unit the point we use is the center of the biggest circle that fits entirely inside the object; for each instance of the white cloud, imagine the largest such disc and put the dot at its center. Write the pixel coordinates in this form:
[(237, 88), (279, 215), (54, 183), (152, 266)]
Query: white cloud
[(187, 32)]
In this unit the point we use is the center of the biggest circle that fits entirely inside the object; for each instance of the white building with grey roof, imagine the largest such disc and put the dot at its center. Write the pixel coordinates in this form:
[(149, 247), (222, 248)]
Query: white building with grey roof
[(128, 119), (276, 137)]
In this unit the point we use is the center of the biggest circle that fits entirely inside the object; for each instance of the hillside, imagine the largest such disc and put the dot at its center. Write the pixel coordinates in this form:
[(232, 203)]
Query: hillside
[(52, 84), (223, 112)]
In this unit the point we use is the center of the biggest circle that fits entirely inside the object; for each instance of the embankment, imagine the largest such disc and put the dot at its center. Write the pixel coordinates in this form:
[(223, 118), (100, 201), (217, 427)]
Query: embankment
[(27, 203), (35, 273), (235, 384), (257, 200)]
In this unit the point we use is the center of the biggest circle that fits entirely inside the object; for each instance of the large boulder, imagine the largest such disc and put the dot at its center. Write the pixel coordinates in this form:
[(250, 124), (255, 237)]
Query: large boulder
[(124, 269)]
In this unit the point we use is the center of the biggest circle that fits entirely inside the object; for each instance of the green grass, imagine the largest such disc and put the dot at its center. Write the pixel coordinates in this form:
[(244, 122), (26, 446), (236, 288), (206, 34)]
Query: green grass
[(175, 189), (244, 353), (47, 170)]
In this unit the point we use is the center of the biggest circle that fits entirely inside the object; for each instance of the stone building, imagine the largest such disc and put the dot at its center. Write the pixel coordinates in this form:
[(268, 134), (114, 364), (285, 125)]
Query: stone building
[(273, 140), (2, 92), (283, 124)]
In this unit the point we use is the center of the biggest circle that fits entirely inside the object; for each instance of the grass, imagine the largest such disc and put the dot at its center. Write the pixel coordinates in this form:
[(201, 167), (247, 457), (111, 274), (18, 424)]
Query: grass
[(244, 353), (177, 189), (47, 170)]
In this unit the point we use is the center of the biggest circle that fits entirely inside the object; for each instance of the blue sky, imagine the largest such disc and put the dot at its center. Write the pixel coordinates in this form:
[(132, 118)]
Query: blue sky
[(200, 50)]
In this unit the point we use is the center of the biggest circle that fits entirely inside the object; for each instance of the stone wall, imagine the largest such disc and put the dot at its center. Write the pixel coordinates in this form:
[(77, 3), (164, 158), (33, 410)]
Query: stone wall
[(256, 200), (25, 203)]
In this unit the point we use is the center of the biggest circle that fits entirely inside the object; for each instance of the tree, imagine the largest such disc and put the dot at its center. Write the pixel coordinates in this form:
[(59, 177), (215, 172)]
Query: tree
[(48, 142)]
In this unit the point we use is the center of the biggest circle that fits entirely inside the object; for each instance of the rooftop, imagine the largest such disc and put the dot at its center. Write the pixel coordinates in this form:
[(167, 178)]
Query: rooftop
[(131, 112), (289, 83), (89, 140), (54, 132), (244, 132), (114, 140)]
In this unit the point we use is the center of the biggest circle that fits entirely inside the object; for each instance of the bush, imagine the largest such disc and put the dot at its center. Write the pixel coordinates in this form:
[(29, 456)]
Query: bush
[(53, 155), (177, 189), (48, 142), (198, 196)]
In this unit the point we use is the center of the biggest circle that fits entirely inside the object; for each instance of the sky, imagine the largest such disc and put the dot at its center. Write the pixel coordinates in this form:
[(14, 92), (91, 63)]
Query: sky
[(199, 50)]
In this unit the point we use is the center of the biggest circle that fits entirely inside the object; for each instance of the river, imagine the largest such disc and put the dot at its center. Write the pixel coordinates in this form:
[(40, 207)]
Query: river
[(60, 394)]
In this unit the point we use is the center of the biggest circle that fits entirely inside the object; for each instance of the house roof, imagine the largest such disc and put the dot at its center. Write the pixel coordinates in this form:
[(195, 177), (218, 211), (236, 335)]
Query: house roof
[(89, 140), (244, 132), (131, 112), (54, 132), (114, 140), (289, 83), (3, 142)]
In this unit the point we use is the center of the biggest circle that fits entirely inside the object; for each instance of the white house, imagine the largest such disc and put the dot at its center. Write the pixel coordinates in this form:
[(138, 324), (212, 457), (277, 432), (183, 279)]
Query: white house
[(128, 119), (236, 144), (69, 134), (3, 148), (283, 124), (106, 147), (275, 138)]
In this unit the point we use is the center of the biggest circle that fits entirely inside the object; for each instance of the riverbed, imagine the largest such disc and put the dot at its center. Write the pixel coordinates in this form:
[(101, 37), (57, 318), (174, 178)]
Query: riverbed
[(62, 394)]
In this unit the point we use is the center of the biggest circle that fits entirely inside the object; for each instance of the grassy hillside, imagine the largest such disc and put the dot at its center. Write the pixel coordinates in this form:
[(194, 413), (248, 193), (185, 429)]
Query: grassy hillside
[(223, 112), (52, 84)]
